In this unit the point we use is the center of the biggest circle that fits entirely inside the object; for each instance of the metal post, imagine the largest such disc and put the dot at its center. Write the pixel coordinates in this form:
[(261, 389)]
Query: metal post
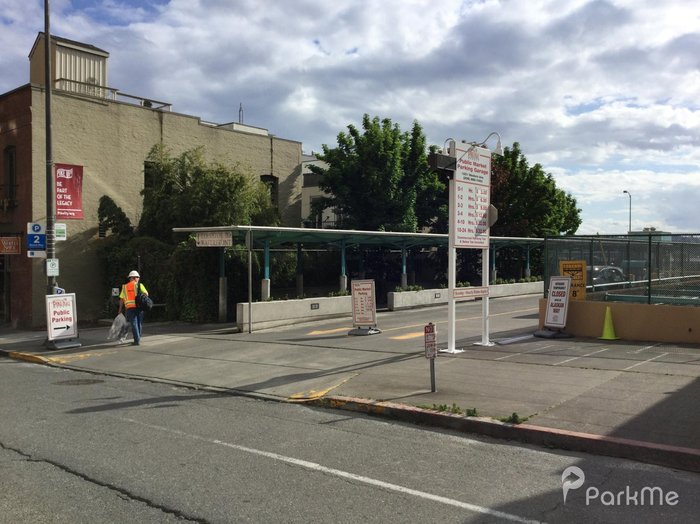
[(432, 375), (404, 274), (222, 286), (50, 191), (485, 300), (249, 243)]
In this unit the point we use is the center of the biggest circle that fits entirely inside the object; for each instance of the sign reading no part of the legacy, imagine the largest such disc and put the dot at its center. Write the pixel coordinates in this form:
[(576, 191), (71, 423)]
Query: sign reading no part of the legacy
[(61, 320), (471, 198)]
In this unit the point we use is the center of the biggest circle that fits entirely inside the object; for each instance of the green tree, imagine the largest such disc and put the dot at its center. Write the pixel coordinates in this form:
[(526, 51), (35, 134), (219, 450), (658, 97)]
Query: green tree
[(528, 201), (378, 178), (186, 191)]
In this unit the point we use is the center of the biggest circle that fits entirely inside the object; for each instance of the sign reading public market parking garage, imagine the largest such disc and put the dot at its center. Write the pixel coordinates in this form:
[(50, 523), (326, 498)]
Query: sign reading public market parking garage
[(471, 198), (61, 320)]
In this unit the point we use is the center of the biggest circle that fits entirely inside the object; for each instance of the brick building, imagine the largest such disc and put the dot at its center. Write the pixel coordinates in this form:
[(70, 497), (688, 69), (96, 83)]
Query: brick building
[(107, 134)]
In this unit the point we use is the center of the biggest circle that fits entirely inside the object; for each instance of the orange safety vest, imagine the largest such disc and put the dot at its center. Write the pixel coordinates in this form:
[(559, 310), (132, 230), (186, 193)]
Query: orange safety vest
[(130, 294)]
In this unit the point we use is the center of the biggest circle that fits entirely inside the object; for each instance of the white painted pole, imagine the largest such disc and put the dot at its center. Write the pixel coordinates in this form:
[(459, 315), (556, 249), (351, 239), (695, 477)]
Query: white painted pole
[(451, 284), (451, 277), (485, 300)]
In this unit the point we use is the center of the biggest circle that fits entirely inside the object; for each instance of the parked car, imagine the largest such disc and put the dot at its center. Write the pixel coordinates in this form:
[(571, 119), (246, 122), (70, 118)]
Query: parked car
[(598, 275)]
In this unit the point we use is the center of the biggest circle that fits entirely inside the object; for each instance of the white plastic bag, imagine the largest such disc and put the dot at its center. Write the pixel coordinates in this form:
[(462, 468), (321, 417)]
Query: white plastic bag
[(119, 329)]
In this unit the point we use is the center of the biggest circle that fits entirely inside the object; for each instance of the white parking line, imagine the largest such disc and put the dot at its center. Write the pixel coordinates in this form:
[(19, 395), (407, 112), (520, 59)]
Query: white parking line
[(582, 356), (646, 347), (645, 361), (313, 466)]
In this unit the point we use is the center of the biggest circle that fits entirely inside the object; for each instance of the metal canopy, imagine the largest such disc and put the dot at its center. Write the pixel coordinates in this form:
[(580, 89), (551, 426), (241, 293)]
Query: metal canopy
[(278, 236)]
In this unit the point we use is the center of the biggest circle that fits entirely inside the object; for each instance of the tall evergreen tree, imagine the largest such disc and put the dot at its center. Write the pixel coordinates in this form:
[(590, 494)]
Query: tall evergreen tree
[(378, 178)]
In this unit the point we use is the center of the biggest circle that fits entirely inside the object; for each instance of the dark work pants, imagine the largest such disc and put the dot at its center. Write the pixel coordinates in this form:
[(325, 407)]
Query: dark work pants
[(135, 316)]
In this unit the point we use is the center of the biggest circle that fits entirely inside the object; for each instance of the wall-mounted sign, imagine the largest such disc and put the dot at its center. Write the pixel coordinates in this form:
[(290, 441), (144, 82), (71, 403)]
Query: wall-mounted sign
[(9, 246), (69, 191), (576, 269), (213, 239)]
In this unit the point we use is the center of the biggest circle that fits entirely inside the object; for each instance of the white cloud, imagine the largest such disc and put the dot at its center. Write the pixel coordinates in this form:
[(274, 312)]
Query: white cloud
[(602, 93)]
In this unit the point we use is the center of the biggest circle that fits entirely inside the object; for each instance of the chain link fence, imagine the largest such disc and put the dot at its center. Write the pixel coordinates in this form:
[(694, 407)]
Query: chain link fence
[(649, 267)]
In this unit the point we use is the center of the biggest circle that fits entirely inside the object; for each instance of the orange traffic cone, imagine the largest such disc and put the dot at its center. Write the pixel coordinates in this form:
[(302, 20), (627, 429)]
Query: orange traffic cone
[(608, 328)]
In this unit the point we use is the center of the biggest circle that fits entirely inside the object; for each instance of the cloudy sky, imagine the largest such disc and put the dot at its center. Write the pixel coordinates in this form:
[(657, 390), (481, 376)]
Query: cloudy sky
[(604, 94)]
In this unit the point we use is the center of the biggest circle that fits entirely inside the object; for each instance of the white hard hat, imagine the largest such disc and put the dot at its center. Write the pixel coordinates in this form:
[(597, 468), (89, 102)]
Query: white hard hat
[(134, 274)]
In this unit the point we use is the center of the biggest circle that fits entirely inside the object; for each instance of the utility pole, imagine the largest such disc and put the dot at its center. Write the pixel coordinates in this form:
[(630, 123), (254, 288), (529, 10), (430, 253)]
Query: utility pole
[(50, 191)]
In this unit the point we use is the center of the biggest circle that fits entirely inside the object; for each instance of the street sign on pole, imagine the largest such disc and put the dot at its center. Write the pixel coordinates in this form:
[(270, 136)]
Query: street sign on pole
[(52, 267), (61, 231), (430, 335)]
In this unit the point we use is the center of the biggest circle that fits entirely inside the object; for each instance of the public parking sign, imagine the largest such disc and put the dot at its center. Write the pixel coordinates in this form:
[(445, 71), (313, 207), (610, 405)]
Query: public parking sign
[(61, 320)]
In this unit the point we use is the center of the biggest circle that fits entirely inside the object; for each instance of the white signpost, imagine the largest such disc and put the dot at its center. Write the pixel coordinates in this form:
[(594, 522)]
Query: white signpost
[(470, 198), (61, 321)]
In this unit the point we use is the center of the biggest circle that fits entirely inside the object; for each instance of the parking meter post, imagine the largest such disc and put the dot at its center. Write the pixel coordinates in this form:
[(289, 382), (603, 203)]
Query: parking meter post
[(430, 337)]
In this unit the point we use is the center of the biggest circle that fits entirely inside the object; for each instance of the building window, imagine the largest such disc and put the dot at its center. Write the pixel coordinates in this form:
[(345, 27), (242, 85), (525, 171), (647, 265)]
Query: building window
[(9, 179), (149, 174), (272, 183)]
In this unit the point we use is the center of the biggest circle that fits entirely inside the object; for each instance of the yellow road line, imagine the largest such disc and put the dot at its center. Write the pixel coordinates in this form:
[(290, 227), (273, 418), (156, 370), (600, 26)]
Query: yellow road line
[(329, 331), (408, 336), (314, 394)]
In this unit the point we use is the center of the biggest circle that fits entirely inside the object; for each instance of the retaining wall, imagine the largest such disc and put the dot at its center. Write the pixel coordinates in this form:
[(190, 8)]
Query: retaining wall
[(640, 322)]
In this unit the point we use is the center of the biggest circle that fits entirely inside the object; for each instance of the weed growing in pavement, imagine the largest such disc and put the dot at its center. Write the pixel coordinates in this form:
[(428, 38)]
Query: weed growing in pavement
[(514, 419), (454, 409)]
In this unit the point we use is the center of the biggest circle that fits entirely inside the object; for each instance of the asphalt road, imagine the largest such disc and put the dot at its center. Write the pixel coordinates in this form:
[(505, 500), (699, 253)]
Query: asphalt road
[(79, 447)]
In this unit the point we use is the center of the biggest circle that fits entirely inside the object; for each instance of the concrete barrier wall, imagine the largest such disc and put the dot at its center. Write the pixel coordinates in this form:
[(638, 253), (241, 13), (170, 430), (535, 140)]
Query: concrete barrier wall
[(638, 322), (430, 297), (285, 312)]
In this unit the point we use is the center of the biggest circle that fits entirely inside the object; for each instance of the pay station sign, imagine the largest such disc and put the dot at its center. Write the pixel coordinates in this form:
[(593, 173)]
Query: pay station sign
[(61, 320)]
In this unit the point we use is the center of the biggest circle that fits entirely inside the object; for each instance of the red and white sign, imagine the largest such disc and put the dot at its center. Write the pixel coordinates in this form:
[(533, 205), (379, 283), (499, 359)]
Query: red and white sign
[(364, 305), (470, 292), (69, 191), (557, 302), (430, 335), (470, 198), (61, 320)]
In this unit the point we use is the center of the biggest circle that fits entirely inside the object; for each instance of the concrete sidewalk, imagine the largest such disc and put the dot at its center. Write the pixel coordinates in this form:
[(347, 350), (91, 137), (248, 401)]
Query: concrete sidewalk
[(630, 400)]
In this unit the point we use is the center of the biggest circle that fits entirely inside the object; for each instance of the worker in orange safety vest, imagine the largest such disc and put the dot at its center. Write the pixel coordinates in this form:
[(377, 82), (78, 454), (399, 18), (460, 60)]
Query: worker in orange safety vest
[(127, 300)]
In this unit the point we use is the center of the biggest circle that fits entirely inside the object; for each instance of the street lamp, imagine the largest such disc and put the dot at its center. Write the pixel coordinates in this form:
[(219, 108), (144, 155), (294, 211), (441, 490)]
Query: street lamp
[(499, 148), (629, 230)]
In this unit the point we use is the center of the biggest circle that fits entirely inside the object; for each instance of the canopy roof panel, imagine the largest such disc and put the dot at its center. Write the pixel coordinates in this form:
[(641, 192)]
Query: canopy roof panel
[(280, 236)]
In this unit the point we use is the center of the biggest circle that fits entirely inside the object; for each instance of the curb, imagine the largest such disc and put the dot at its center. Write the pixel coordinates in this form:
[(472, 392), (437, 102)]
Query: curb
[(676, 457)]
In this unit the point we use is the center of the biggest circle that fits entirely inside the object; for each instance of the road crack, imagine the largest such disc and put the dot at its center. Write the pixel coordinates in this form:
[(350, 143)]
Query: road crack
[(120, 492)]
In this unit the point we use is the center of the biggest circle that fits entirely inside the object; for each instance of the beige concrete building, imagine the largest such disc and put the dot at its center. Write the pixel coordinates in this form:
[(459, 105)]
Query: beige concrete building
[(108, 134)]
